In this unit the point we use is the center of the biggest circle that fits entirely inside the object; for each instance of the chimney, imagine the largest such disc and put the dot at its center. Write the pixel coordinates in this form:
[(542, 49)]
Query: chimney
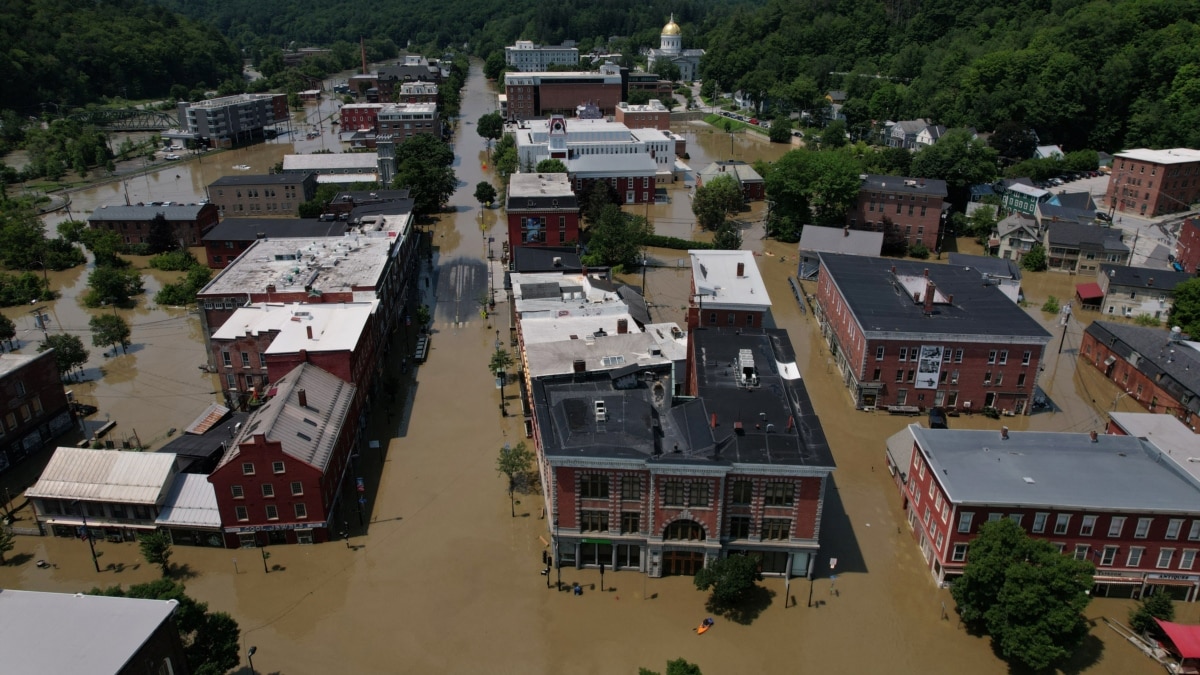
[(622, 326), (741, 270), (1094, 436), (893, 270), (714, 420), (929, 290), (926, 272), (1004, 433), (302, 398), (579, 366), (846, 231), (260, 235), (308, 329), (1150, 281), (270, 288), (950, 299)]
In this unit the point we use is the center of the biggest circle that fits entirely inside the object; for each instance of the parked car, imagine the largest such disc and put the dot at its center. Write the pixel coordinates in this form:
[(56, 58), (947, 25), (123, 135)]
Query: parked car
[(937, 418), (173, 157)]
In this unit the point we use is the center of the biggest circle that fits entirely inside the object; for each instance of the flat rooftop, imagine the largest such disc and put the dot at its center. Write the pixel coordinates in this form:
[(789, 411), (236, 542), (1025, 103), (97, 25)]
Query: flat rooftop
[(564, 294), (366, 161), (174, 212), (1060, 470), (408, 109), (313, 264), (539, 329), (817, 239), (1170, 156), (716, 278), (335, 327), (930, 187), (541, 187), (258, 179), (246, 229), (598, 353), (1166, 433), (12, 362), (875, 290)]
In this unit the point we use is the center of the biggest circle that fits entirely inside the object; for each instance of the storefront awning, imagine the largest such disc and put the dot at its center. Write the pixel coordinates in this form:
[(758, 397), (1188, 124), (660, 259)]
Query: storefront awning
[(1089, 291), (1185, 638)]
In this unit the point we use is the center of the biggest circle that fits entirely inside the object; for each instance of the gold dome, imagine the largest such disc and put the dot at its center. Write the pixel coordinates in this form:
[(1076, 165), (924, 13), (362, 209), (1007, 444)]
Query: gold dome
[(671, 28)]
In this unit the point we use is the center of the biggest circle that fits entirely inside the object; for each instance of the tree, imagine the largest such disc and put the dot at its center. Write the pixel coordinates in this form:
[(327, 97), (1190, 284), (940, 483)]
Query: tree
[(210, 639), (161, 237), (104, 245), (490, 127), (781, 131), (71, 230), (493, 67), (7, 543), (1035, 259), (8, 330), (958, 159), (919, 250), (1185, 313), (1157, 605), (834, 135), (1013, 142), (894, 241), (601, 194), (156, 549), (515, 464), (1029, 597), (616, 239), (69, 353), (728, 237), (551, 166), (183, 292), (730, 578), (500, 363), (675, 667), (109, 329), (430, 186), (811, 186), (112, 285), (485, 192), (716, 199)]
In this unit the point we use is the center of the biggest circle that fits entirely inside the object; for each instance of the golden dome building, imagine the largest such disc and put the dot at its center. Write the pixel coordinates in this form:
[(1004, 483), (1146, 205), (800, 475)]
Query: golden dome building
[(670, 50)]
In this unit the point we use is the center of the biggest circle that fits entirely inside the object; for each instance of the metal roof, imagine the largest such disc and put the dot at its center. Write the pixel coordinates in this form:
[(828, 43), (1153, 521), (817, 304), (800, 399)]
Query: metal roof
[(212, 415), (105, 476), (1154, 354), (1055, 470), (1068, 233), (741, 171), (1029, 190), (330, 161), (191, 502), (75, 633), (1167, 433), (715, 278), (817, 239)]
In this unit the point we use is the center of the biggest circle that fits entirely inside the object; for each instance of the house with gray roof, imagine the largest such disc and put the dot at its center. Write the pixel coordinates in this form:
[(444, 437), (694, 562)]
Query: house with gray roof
[(1138, 291), (903, 134), (1158, 369), (752, 185), (1015, 235), (815, 240), (1080, 248)]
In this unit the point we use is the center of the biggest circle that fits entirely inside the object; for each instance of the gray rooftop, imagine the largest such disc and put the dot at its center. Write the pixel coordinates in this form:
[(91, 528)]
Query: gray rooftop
[(1055, 470), (1153, 353), (260, 179), (248, 229), (541, 191), (606, 352), (12, 362), (147, 212), (817, 239), (1144, 277), (532, 259), (1057, 213), (75, 633), (191, 502), (1072, 234), (930, 187), (876, 293), (1074, 200), (317, 264), (993, 267)]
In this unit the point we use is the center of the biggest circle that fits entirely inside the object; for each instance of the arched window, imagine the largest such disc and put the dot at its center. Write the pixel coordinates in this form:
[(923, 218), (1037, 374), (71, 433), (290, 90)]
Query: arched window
[(684, 530)]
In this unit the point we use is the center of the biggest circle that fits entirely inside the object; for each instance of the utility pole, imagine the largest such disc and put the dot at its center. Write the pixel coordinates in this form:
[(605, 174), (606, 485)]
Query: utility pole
[(1066, 319)]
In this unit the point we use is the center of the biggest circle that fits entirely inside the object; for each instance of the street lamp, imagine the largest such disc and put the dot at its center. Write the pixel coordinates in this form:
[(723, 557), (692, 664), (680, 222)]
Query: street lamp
[(250, 657), (87, 533)]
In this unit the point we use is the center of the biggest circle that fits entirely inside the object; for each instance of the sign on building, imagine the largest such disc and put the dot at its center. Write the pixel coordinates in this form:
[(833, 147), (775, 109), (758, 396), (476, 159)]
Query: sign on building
[(929, 367)]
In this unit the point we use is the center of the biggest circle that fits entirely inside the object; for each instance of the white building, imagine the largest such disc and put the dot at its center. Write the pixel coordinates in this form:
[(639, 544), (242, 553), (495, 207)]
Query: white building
[(593, 145), (530, 58), (671, 50)]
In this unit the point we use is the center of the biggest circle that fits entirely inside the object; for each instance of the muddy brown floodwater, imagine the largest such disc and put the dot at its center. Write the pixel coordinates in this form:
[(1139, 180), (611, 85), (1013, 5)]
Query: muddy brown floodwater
[(444, 580)]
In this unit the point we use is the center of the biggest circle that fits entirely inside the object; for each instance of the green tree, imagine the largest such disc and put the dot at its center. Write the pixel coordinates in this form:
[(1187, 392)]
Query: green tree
[(104, 245), (728, 237), (423, 166), (811, 186), (160, 238), (69, 353), (781, 131), (599, 195), (833, 135), (7, 543), (183, 292), (514, 463), (551, 166), (918, 250), (715, 200), (71, 230), (22, 289), (8, 330), (112, 285), (1029, 597), (485, 192), (730, 578), (500, 363), (1185, 313), (1156, 605), (1013, 142), (156, 549), (616, 239), (109, 329), (675, 667), (490, 127), (894, 241), (493, 67), (1035, 259), (958, 159)]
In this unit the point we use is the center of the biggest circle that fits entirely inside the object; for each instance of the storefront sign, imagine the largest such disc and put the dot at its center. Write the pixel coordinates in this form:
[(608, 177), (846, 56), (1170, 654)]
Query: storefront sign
[(929, 367), (597, 541), (273, 528), (1173, 577)]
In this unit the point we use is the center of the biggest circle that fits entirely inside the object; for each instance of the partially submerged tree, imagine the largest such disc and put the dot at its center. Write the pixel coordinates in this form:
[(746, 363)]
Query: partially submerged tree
[(109, 329), (69, 353), (514, 463), (485, 192), (715, 200), (730, 578), (156, 549)]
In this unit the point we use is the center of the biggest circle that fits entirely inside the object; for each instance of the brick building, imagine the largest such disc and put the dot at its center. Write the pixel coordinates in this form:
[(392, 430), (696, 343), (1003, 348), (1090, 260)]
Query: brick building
[(233, 120), (914, 205), (1118, 502), (232, 236), (1153, 182), (542, 210), (1187, 248), (36, 410), (727, 290), (402, 121), (538, 94), (284, 473), (634, 479), (360, 116), (417, 92), (276, 194), (132, 222), (1152, 366), (652, 115), (907, 335)]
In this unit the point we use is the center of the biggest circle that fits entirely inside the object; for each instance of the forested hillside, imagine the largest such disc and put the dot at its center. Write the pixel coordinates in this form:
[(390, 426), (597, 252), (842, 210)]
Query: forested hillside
[(1105, 74), (72, 52)]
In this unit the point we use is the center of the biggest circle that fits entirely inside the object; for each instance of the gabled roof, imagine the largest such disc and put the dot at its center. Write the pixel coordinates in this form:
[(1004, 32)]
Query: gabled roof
[(1152, 352), (105, 476), (1016, 221), (191, 502), (212, 415), (1056, 213), (1029, 190), (1144, 277), (817, 239), (1074, 200), (910, 126), (1070, 233), (741, 171)]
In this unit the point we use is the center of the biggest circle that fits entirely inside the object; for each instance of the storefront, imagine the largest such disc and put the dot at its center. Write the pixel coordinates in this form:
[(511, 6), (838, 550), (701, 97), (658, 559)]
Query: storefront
[(254, 536), (189, 513), (1182, 587), (1117, 584)]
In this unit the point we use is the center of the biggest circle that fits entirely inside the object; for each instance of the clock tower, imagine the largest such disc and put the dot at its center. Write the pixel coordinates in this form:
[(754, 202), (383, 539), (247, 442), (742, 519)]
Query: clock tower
[(558, 137)]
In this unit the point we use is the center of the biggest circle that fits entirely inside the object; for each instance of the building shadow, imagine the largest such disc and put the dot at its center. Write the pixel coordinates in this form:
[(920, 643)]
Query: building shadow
[(837, 537)]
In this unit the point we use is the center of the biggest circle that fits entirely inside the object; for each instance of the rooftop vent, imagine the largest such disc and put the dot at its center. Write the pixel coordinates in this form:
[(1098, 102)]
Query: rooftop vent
[(601, 412), (1029, 480)]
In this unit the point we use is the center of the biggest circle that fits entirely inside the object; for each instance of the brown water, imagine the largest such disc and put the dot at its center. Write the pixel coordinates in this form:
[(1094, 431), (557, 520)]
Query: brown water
[(447, 581)]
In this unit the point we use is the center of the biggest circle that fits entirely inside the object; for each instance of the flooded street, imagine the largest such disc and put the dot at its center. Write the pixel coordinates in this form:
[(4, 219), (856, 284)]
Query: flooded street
[(444, 580)]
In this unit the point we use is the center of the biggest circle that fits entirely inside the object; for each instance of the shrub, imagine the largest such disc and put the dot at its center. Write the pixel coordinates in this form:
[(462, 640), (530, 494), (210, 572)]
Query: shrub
[(174, 261), (919, 250), (663, 241), (1051, 305)]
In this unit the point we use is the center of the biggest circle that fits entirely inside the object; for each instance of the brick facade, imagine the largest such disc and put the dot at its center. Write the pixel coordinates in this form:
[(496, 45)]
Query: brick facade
[(630, 189), (277, 195), (36, 410), (1134, 383), (1187, 250), (135, 229), (916, 213), (1149, 183)]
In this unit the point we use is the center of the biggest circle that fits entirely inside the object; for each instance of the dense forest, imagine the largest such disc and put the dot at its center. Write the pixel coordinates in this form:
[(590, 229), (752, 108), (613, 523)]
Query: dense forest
[(70, 53)]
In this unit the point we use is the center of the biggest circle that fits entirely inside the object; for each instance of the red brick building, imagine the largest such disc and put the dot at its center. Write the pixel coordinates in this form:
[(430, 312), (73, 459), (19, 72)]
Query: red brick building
[(1119, 502), (903, 334), (132, 222), (1187, 249), (1152, 366), (914, 205), (276, 194), (284, 474), (1153, 182), (653, 115), (540, 94), (360, 116), (695, 483), (231, 237), (36, 410), (542, 210)]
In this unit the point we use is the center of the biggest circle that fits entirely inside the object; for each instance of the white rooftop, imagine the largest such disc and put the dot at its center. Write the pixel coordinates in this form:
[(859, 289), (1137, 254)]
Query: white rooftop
[(671, 339), (367, 161), (12, 362), (345, 178), (818, 239), (1168, 434), (314, 264), (654, 105), (606, 352), (540, 185), (1170, 156), (639, 164), (1030, 190), (105, 476), (563, 295), (191, 502), (335, 327), (715, 277), (408, 108), (545, 328), (75, 633)]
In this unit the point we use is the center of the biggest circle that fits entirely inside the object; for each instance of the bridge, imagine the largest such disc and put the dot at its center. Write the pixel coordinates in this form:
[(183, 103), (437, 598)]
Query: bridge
[(127, 119)]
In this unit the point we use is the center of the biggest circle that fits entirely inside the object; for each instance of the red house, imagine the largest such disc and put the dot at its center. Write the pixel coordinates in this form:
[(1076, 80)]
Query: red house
[(188, 222), (1119, 502), (282, 477), (1187, 249), (914, 205), (542, 210)]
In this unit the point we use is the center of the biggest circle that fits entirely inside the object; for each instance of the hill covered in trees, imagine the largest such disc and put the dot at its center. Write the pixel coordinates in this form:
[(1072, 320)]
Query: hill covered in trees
[(71, 53)]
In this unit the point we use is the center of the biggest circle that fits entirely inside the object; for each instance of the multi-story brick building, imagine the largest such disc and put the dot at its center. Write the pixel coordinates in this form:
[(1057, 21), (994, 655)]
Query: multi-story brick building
[(1153, 182), (633, 479), (284, 473), (402, 121), (417, 92), (360, 117), (233, 120), (903, 334), (276, 194), (36, 409), (914, 205), (559, 93), (1118, 502), (1156, 368), (727, 290), (1187, 249), (527, 57), (542, 210), (652, 115), (132, 222), (232, 236)]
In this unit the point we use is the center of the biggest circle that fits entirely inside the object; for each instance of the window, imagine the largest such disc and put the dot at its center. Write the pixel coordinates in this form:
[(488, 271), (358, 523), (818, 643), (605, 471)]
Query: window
[(903, 354), (739, 527), (1173, 528), (1081, 551), (1021, 380), (744, 489), (991, 356), (247, 469), (1025, 358), (1115, 526), (1135, 556), (1003, 356), (1039, 522), (902, 396), (629, 522), (994, 517), (1187, 559), (301, 511), (698, 494), (631, 488), (1016, 518), (958, 355), (964, 522), (1143, 528), (272, 512), (1061, 523), (277, 467), (593, 487), (1194, 531), (237, 491), (879, 353), (226, 359), (1087, 526), (779, 494), (1109, 556), (776, 528), (240, 513), (268, 490), (899, 374), (245, 359), (297, 488), (673, 493), (1164, 557), (593, 521), (960, 553)]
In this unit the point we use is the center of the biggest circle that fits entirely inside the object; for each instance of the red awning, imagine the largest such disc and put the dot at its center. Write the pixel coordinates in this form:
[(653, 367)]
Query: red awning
[(1185, 638), (1090, 291)]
